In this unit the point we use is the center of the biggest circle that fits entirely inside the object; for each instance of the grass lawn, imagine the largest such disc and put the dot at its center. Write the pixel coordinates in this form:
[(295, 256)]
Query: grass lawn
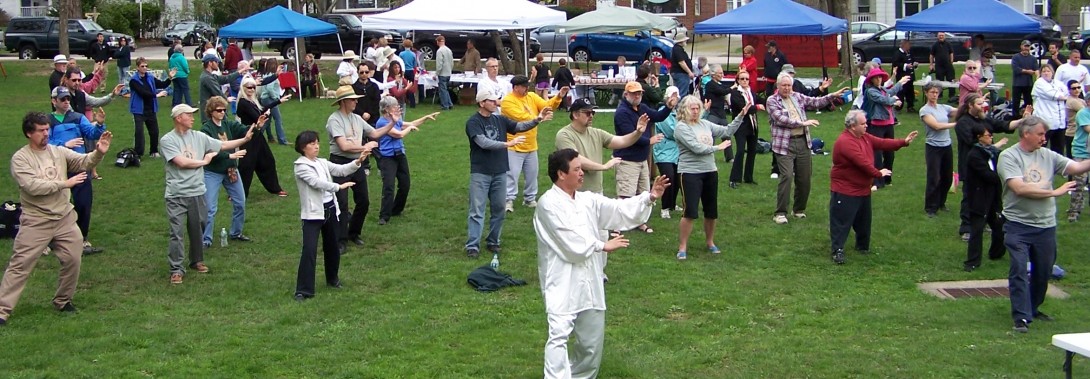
[(772, 305)]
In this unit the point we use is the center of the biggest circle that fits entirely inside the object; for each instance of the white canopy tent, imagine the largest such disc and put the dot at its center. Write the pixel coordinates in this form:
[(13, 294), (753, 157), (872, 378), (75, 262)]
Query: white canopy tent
[(466, 14)]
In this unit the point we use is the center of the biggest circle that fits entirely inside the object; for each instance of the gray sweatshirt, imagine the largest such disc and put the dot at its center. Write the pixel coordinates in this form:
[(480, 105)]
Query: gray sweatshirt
[(696, 142)]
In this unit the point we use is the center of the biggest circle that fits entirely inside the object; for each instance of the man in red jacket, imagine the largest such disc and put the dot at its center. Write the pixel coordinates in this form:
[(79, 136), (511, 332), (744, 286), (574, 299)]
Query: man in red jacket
[(232, 56), (852, 174)]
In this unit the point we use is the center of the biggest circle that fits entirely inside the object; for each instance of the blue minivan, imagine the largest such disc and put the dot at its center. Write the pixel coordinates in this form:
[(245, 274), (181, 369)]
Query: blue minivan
[(609, 46)]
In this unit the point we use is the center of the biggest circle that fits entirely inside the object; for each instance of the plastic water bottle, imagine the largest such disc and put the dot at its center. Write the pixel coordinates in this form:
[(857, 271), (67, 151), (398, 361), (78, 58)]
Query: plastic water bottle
[(495, 262), (223, 237)]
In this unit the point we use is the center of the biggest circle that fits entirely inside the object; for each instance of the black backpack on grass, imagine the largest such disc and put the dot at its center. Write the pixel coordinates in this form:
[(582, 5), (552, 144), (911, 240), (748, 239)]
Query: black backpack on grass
[(9, 219), (127, 158)]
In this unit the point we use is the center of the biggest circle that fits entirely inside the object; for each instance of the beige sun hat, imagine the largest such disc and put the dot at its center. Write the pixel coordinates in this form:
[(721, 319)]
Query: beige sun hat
[(343, 93)]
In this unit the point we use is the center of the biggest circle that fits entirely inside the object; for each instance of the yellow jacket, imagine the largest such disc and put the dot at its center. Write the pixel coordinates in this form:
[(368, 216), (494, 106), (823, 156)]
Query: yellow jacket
[(525, 108)]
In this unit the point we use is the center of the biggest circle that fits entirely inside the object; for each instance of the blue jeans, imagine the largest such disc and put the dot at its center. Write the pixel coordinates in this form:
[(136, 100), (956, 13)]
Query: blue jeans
[(486, 189), (123, 77), (181, 91), (274, 114), (212, 183), (682, 82), (444, 92), (1028, 244)]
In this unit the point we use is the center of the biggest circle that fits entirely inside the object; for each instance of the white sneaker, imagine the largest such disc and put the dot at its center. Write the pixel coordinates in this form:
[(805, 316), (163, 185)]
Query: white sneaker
[(530, 204), (665, 213), (873, 188), (779, 219), (509, 206), (679, 209), (774, 176), (800, 215)]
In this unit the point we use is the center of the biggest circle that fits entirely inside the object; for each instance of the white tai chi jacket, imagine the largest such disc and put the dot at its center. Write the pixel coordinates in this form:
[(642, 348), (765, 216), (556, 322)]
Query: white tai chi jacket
[(568, 237)]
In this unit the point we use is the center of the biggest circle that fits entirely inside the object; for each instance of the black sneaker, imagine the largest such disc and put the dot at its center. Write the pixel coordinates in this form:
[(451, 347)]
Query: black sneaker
[(3, 322), (334, 284), (1021, 326), (495, 249), (241, 237), (472, 253), (1043, 317), (970, 268), (382, 221), (300, 297), (68, 308), (838, 256)]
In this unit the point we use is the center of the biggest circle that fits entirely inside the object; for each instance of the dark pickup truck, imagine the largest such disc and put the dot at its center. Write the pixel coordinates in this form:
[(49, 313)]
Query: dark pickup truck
[(349, 29), (35, 37)]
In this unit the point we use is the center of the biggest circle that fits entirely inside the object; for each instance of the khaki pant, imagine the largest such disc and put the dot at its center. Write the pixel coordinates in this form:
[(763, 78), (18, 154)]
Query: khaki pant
[(795, 168), (34, 235), (633, 178)]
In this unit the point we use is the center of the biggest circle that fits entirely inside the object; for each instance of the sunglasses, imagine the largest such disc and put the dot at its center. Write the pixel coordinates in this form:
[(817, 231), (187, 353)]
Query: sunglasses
[(970, 68), (220, 110), (143, 66), (251, 87), (364, 72), (743, 79), (1075, 88), (589, 113), (64, 99)]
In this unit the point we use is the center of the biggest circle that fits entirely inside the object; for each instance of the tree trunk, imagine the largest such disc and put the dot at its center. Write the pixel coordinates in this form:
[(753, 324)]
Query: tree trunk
[(841, 9), (516, 45), (504, 61), (67, 10)]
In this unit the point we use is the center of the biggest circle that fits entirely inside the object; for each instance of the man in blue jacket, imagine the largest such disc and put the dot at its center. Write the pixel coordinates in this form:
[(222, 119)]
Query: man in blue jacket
[(70, 129)]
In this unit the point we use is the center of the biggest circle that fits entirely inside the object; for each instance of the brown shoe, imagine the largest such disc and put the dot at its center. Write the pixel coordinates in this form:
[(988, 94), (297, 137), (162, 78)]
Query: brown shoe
[(200, 267), (175, 278)]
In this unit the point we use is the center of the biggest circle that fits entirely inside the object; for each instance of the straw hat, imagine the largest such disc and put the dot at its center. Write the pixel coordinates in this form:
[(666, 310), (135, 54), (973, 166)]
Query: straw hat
[(349, 54), (344, 92)]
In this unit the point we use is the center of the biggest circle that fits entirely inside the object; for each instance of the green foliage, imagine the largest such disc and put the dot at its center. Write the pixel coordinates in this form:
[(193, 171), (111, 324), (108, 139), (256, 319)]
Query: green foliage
[(571, 10), (124, 17), (4, 18)]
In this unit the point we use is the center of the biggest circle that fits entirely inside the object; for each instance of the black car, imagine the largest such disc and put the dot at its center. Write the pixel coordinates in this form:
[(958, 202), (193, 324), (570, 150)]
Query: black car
[(350, 33), (35, 37), (424, 40), (1011, 43), (885, 43), (190, 32)]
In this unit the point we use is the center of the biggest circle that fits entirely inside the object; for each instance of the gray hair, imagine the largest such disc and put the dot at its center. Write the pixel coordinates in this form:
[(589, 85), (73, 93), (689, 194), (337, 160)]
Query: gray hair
[(714, 68), (386, 103), (1030, 124), (784, 77), (852, 116), (930, 86), (177, 48)]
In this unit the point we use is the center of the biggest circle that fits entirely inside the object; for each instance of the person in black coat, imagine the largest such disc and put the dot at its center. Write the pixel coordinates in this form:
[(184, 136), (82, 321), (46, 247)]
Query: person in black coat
[(904, 65), (259, 157), (564, 78), (716, 92), (983, 189), (746, 136)]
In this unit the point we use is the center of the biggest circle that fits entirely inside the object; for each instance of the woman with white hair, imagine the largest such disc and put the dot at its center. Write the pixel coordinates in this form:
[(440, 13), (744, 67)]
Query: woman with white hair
[(699, 177), (259, 157), (392, 161), (666, 155), (1050, 104)]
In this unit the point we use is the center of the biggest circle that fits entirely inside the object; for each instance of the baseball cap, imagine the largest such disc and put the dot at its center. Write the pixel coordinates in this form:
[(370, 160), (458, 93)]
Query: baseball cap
[(60, 58), (520, 80), (1025, 42), (771, 43), (633, 87), (482, 96), (581, 104), (788, 68), (210, 58), (179, 109), (60, 92)]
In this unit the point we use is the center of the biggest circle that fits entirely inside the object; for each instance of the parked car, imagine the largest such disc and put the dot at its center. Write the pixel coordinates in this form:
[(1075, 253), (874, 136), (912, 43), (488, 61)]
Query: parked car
[(1006, 43), (608, 46), (866, 29), (424, 40), (1080, 41), (190, 32), (886, 42), (552, 41), (349, 30), (35, 37)]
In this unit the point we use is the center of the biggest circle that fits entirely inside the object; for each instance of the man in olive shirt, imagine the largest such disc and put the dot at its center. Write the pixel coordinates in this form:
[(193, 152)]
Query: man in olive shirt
[(1029, 205), (591, 142), (41, 170)]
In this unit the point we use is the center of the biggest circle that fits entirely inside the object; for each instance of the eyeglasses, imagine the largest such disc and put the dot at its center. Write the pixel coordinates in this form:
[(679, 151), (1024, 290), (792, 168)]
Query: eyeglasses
[(589, 113), (251, 87), (220, 110), (740, 79)]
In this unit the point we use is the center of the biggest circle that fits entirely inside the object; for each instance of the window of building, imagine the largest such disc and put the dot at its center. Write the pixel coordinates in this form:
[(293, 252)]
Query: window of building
[(547, 3), (863, 6), (734, 4), (910, 7), (361, 5), (664, 7), (1039, 7)]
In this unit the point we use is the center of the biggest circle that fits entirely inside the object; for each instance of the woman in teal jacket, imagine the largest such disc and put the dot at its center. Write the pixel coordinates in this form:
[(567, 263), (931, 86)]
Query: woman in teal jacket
[(666, 154), (181, 78)]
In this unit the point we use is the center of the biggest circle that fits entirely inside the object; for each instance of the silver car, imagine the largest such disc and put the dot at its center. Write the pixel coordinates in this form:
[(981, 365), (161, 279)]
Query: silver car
[(551, 40)]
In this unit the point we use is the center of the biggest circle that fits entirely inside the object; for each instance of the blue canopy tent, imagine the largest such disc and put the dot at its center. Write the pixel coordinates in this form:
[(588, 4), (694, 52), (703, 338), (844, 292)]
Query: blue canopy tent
[(279, 22), (773, 17), (990, 16)]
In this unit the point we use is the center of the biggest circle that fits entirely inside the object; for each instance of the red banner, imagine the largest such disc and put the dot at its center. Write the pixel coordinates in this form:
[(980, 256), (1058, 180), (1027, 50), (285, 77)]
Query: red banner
[(801, 51)]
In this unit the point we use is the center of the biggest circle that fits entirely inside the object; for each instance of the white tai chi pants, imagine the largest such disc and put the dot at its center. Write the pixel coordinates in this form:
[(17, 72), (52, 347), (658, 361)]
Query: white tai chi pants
[(584, 356)]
